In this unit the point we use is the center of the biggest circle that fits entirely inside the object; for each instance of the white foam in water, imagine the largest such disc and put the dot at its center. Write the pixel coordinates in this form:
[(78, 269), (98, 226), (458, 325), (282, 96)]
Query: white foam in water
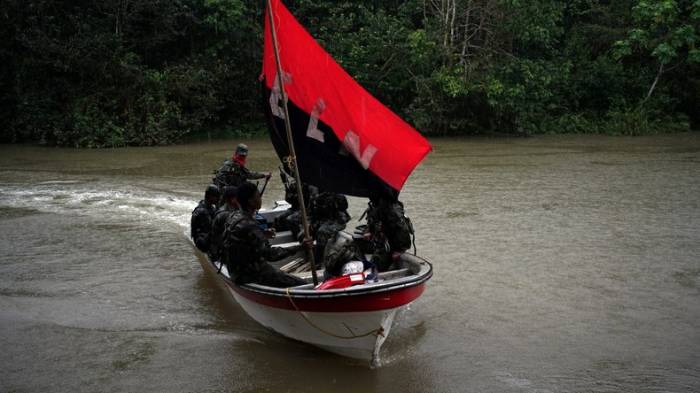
[(79, 198)]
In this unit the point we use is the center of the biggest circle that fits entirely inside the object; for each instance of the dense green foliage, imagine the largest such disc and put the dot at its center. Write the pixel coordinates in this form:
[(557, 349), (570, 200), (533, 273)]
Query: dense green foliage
[(146, 72)]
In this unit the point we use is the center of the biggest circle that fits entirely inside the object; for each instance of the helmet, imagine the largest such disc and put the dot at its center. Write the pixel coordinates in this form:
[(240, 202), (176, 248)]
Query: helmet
[(245, 192), (212, 190), (241, 150)]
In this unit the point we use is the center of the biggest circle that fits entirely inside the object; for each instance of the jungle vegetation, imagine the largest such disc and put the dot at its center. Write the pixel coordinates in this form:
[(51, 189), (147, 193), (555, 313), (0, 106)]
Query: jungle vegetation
[(103, 73)]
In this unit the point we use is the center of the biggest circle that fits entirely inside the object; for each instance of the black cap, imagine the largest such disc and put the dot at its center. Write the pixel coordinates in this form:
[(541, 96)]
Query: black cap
[(245, 192), (212, 190), (230, 192)]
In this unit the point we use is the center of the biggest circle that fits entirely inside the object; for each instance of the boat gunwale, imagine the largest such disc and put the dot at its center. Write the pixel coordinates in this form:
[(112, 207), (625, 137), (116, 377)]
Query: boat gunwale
[(389, 286), (345, 292)]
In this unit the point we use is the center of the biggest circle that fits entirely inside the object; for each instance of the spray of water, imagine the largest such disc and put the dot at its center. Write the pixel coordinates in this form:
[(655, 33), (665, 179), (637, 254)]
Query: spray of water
[(116, 203)]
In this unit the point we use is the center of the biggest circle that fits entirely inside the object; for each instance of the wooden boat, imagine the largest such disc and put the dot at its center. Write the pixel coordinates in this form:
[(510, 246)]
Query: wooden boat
[(352, 322)]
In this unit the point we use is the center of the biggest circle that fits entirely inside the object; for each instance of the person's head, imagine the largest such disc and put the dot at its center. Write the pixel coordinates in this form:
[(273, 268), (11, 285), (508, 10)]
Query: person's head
[(230, 197), (249, 196), (211, 195), (241, 151)]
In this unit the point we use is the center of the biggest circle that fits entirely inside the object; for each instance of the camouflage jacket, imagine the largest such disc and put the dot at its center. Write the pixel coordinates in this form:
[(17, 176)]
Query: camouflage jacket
[(234, 174), (200, 224), (387, 220), (246, 249), (328, 215), (218, 226)]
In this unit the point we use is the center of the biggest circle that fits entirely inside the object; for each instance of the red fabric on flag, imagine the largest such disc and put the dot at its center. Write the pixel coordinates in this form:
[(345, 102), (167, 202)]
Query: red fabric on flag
[(314, 75)]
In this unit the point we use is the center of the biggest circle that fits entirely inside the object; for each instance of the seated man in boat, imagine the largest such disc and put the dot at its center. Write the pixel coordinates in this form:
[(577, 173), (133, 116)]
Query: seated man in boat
[(291, 219), (388, 229), (202, 215), (246, 246), (328, 215), (234, 172), (338, 252), (218, 225)]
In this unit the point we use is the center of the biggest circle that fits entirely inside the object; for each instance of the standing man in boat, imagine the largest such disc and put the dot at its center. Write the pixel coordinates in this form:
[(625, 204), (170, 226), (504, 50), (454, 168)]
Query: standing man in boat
[(389, 230), (234, 172), (202, 215), (218, 225), (247, 248)]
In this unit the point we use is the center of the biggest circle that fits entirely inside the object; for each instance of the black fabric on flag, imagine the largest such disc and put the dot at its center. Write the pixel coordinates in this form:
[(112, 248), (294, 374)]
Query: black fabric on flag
[(325, 164)]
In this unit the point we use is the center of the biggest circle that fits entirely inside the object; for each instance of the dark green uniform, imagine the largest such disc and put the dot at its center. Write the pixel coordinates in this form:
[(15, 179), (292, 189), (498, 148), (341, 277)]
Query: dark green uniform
[(218, 225), (328, 215), (337, 253), (291, 219), (247, 250), (200, 224), (391, 231), (234, 174)]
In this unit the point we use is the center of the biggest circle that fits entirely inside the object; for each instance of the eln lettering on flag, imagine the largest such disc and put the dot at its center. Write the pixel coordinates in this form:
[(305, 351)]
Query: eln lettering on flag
[(346, 140)]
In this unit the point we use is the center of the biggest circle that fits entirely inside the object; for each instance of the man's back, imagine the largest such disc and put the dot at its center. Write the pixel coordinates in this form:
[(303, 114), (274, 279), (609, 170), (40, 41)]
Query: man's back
[(200, 224), (218, 226), (247, 250), (244, 245)]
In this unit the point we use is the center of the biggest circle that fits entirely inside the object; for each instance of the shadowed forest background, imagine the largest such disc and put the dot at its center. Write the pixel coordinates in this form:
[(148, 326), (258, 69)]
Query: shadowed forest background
[(103, 73)]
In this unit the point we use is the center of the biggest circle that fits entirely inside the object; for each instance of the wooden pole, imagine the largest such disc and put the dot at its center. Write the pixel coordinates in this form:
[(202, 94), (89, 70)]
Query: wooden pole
[(290, 142)]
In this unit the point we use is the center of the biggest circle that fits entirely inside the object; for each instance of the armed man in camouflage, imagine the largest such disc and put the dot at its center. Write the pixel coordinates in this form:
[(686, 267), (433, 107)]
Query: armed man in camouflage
[(246, 246), (202, 215), (234, 172), (389, 230), (218, 225)]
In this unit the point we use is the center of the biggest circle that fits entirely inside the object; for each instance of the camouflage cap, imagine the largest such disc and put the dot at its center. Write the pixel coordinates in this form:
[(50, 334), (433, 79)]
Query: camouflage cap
[(242, 150)]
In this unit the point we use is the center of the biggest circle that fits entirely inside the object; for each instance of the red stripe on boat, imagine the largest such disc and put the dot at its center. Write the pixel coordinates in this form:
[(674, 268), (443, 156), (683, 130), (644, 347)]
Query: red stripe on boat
[(351, 303)]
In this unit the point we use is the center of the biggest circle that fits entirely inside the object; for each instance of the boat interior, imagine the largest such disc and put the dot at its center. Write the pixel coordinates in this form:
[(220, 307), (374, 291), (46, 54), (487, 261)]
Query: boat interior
[(408, 265), (407, 268)]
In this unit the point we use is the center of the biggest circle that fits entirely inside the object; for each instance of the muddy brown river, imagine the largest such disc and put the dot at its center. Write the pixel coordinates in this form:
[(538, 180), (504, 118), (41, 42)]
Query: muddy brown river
[(562, 264)]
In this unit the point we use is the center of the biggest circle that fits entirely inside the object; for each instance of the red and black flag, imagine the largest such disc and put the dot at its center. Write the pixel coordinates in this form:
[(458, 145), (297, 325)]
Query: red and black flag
[(346, 140)]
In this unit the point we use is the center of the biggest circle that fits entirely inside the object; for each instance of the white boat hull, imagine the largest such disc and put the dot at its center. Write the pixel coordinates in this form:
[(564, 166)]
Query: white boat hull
[(352, 322), (357, 335)]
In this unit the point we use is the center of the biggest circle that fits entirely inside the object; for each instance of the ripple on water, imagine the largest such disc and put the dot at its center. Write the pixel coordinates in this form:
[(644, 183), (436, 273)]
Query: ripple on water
[(688, 278)]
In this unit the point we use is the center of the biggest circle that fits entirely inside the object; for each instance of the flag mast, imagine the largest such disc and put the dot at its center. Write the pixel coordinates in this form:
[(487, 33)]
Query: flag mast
[(290, 142)]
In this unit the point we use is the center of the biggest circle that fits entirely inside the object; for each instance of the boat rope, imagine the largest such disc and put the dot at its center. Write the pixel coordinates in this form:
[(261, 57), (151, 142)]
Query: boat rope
[(376, 332)]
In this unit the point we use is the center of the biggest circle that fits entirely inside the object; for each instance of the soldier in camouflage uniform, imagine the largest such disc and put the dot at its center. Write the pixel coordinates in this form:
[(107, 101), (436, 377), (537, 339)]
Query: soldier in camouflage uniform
[(389, 230), (339, 251), (234, 172), (202, 215), (327, 216), (218, 225), (246, 246), (291, 219)]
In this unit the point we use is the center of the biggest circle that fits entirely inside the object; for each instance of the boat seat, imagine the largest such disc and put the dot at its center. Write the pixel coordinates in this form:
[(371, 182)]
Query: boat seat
[(307, 275)]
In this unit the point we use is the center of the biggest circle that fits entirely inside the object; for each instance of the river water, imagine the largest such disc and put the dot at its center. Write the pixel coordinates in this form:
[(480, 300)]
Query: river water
[(562, 264)]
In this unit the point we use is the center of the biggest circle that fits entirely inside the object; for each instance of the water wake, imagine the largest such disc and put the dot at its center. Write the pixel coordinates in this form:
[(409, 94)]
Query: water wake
[(113, 203)]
